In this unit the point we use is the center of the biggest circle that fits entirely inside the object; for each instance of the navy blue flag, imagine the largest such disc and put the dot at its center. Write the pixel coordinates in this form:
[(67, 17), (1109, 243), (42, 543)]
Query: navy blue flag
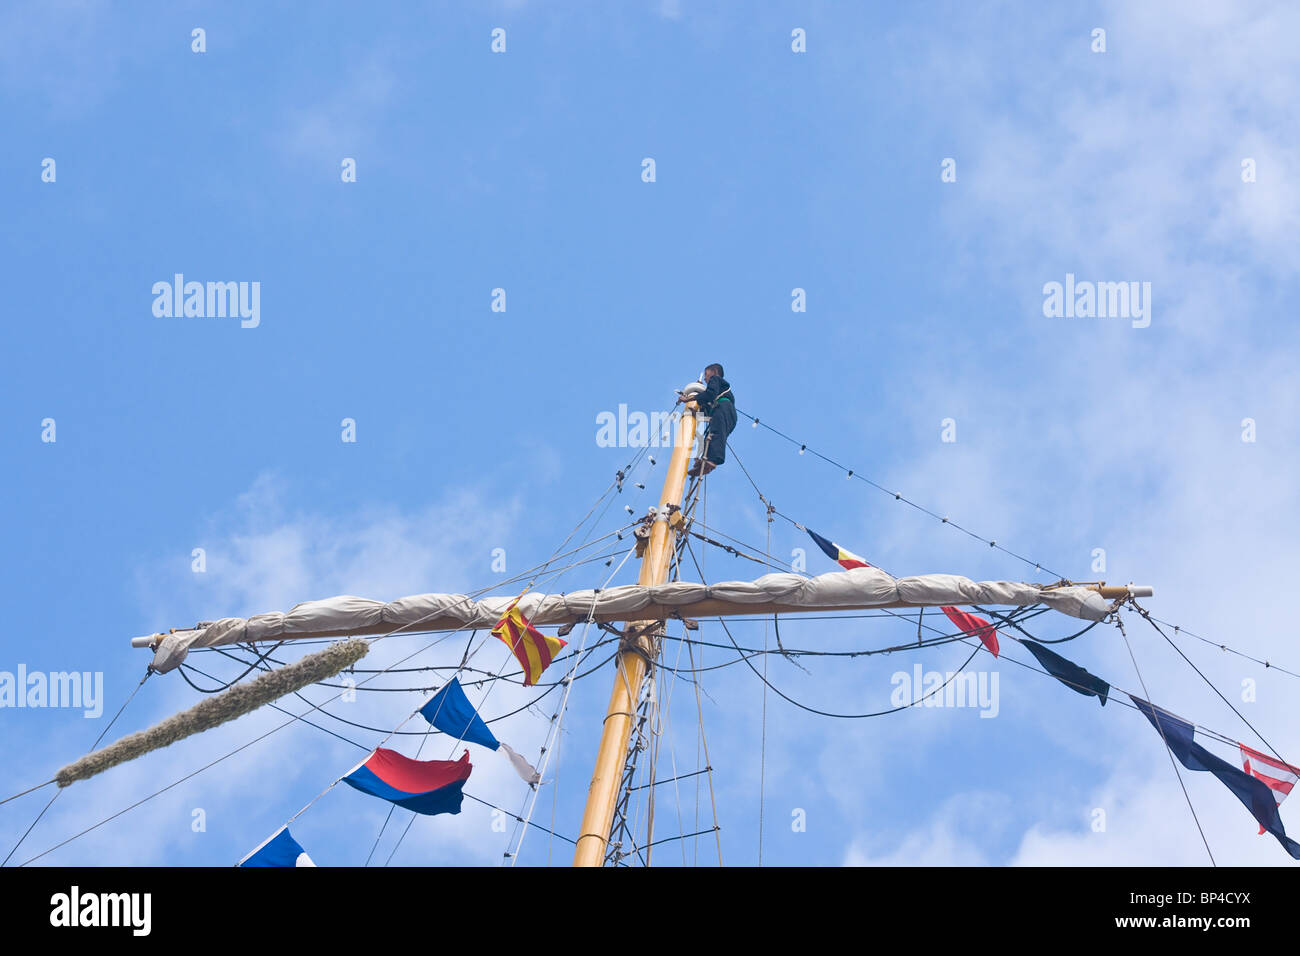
[(1069, 673), (1253, 793)]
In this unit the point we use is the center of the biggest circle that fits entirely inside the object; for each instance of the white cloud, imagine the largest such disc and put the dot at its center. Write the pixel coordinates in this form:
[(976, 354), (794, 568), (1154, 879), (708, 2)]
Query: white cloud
[(263, 555), (946, 841)]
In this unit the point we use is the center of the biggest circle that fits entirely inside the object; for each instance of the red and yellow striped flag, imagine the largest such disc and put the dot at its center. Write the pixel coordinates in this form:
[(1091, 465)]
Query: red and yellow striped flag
[(533, 649)]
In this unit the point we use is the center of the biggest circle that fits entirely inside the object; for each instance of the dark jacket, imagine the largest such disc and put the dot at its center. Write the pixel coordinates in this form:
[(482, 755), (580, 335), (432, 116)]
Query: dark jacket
[(717, 391)]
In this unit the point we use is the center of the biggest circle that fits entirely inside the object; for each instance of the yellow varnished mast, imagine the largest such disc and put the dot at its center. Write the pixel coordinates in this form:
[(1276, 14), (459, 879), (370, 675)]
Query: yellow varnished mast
[(639, 646)]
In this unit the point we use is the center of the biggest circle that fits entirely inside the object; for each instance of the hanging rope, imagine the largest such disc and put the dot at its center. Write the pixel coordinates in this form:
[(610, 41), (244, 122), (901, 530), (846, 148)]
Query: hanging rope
[(824, 713)]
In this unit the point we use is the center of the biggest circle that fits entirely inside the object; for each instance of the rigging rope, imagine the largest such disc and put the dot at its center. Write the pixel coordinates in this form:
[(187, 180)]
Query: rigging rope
[(1169, 750), (363, 747), (896, 495), (147, 674), (1011, 621), (558, 720), (1224, 647), (294, 718), (578, 657), (708, 765), (487, 677), (899, 496), (824, 713), (392, 807), (207, 766), (1146, 615)]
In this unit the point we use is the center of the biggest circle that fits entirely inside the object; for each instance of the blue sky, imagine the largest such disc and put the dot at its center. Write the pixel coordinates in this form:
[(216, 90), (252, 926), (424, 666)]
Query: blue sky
[(476, 429)]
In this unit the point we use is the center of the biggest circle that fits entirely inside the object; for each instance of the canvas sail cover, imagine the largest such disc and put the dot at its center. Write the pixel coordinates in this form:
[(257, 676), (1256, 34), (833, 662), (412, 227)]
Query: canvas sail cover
[(856, 589)]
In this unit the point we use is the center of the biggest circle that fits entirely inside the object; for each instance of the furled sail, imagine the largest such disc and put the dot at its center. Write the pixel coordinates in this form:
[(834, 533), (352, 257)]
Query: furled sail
[(236, 701), (856, 589)]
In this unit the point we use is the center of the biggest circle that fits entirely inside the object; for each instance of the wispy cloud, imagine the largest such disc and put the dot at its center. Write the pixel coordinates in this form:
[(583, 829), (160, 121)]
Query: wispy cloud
[(348, 119), (65, 53), (1126, 165), (268, 554)]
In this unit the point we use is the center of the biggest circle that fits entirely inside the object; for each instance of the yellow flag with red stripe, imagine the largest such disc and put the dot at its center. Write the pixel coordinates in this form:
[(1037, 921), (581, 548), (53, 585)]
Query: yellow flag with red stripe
[(533, 649)]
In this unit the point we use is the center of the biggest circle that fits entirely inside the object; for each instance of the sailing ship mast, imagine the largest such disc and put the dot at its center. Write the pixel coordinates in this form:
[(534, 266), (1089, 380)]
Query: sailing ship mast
[(638, 647)]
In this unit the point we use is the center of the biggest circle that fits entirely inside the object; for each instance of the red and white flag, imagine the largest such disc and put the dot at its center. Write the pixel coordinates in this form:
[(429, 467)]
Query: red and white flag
[(1277, 776)]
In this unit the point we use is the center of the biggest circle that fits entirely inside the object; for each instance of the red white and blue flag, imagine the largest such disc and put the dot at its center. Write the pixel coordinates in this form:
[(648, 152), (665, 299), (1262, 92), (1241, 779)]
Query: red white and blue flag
[(1279, 777), (425, 786)]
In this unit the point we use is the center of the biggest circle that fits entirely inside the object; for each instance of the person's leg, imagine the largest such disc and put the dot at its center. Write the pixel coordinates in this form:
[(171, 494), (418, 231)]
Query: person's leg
[(702, 465), (720, 426)]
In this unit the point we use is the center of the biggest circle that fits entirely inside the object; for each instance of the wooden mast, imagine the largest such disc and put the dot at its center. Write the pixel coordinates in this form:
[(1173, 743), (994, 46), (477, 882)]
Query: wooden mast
[(639, 646)]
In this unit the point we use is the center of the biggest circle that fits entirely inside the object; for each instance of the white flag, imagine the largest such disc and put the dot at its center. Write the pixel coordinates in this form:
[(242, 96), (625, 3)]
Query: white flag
[(522, 767)]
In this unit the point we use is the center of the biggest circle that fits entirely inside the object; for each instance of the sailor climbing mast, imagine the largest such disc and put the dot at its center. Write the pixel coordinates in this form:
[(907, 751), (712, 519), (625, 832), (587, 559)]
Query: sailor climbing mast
[(639, 646)]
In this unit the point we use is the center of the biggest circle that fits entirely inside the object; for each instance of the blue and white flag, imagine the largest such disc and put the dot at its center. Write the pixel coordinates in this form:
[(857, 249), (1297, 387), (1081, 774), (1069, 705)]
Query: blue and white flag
[(280, 849)]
